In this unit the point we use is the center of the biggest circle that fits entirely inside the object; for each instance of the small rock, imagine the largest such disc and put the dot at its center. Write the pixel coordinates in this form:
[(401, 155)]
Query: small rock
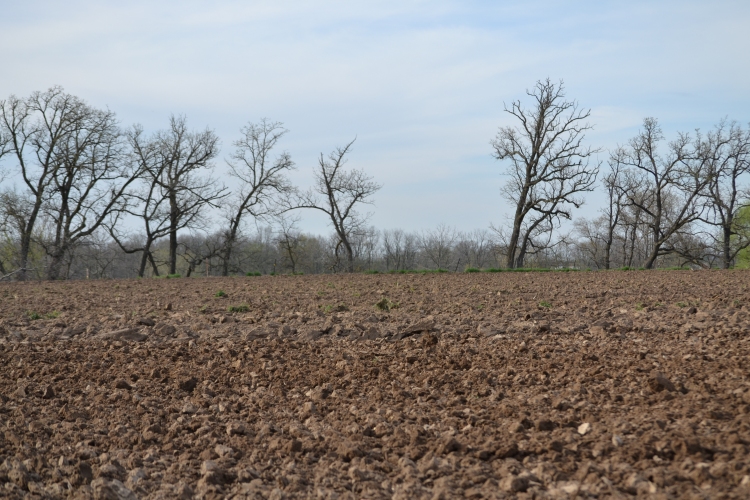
[(111, 489), (508, 450), (448, 445), (584, 428), (112, 471), (659, 382), (309, 408), (17, 473), (145, 321), (545, 425), (425, 325), (617, 441), (692, 310), (168, 307), (488, 331), (164, 329), (514, 484), (223, 451), (319, 393), (123, 384), (84, 472), (294, 446), (136, 476), (189, 408), (211, 473), (209, 466), (357, 475), (49, 392), (126, 334), (189, 384), (561, 405), (236, 428)]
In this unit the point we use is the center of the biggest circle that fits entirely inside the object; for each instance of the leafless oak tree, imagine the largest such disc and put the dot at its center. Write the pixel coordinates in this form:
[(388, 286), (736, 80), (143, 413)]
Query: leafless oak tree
[(673, 185), (337, 193), (177, 186), (70, 156), (260, 178), (549, 166), (727, 152)]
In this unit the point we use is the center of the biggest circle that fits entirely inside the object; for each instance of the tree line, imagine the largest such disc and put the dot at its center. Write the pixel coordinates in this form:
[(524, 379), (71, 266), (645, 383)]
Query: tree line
[(83, 196)]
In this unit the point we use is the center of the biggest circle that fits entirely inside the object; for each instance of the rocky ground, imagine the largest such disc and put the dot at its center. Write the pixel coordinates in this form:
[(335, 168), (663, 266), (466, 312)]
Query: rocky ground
[(526, 385)]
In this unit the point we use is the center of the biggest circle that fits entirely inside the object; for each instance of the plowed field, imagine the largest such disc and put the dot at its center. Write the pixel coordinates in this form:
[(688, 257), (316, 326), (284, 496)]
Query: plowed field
[(527, 385)]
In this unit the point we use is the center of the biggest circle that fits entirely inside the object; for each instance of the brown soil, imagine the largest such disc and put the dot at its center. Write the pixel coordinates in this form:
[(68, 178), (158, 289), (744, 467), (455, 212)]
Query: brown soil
[(541, 385)]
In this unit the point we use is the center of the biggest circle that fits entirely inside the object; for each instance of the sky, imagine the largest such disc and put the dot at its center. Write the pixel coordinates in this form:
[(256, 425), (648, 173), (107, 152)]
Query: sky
[(420, 84)]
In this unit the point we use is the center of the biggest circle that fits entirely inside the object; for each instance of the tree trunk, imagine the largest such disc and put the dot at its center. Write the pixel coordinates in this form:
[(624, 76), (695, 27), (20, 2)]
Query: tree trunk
[(608, 250), (55, 265), (154, 267), (349, 257), (225, 258), (228, 246), (25, 249), (144, 257), (513, 243), (726, 250), (173, 221), (520, 260)]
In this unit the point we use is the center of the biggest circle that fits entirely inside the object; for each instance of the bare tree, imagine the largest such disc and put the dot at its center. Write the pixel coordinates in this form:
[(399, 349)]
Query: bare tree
[(289, 240), (674, 184), (175, 193), (473, 248), (197, 249), (726, 150), (32, 129), (437, 245), (337, 193), (549, 166), (92, 180), (599, 234), (151, 204), (260, 178), (70, 159), (400, 249)]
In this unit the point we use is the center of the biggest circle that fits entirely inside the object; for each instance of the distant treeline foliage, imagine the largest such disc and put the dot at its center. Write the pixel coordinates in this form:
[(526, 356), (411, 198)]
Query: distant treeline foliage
[(84, 197)]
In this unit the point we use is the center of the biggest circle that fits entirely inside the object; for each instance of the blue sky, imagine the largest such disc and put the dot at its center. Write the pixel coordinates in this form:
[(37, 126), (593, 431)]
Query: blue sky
[(420, 83)]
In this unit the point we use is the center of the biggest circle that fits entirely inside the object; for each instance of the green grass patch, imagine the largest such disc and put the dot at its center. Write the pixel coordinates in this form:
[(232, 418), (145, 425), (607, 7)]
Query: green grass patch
[(544, 304), (419, 271), (220, 293), (472, 270), (33, 315), (242, 308), (386, 304), (253, 273), (335, 308)]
